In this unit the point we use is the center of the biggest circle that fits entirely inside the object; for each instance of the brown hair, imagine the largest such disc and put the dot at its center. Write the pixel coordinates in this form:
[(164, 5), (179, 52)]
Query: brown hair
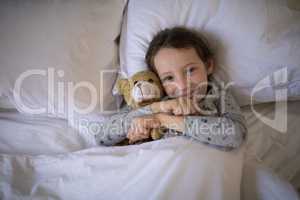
[(178, 37)]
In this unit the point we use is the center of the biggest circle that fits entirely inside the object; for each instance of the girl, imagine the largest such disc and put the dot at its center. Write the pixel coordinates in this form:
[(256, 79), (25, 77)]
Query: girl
[(197, 106)]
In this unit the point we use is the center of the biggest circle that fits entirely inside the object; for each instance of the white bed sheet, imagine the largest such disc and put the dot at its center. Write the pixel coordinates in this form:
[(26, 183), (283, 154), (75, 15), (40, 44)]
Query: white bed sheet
[(175, 168), (33, 135), (43, 158)]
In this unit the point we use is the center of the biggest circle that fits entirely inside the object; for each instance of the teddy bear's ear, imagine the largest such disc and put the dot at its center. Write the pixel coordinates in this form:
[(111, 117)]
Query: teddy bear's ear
[(121, 85)]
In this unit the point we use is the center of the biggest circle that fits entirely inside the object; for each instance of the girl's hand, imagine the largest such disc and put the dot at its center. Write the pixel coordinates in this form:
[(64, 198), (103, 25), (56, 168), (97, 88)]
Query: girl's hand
[(178, 106), (171, 121), (141, 127)]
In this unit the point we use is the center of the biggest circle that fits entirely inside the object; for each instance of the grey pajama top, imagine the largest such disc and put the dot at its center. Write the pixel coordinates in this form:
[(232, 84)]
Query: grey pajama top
[(222, 124)]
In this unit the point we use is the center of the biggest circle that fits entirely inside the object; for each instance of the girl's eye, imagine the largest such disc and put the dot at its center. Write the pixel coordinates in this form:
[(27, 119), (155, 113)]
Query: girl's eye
[(167, 78), (190, 70)]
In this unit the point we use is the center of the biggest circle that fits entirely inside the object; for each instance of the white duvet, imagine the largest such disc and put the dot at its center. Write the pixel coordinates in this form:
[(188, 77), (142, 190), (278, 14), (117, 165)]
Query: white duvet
[(42, 159), (171, 169)]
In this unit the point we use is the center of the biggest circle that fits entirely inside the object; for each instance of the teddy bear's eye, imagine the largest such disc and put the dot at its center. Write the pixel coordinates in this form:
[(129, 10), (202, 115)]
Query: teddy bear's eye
[(150, 80), (135, 82)]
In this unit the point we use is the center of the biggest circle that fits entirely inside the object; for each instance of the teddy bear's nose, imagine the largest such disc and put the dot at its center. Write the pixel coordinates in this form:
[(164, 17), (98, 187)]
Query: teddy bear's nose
[(139, 84)]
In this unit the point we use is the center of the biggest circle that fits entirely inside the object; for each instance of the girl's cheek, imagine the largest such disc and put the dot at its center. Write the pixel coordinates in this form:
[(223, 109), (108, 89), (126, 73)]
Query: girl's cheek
[(199, 79), (170, 90), (199, 83)]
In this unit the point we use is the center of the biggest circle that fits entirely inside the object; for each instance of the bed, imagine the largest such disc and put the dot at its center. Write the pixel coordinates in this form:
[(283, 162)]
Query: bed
[(43, 157), (70, 48)]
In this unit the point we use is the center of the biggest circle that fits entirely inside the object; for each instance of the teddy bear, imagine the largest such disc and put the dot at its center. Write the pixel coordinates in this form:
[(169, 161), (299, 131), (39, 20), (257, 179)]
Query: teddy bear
[(141, 89)]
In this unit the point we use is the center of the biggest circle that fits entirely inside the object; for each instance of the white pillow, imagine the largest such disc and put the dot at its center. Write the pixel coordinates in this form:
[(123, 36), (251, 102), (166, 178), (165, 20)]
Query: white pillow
[(251, 40), (69, 42)]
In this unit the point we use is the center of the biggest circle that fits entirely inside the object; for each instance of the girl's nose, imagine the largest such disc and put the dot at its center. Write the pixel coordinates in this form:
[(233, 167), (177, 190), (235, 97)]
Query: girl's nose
[(181, 83)]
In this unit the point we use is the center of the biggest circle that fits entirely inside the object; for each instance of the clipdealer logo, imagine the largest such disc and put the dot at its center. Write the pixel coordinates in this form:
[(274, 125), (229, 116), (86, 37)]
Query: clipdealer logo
[(63, 92), (278, 81)]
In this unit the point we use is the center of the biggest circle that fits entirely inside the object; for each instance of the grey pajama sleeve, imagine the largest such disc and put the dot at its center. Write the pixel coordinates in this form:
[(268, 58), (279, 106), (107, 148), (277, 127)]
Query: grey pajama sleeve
[(219, 131), (114, 129), (228, 129)]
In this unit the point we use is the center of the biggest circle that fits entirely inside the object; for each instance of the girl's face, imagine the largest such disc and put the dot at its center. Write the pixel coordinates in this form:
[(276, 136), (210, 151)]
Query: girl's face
[(182, 72)]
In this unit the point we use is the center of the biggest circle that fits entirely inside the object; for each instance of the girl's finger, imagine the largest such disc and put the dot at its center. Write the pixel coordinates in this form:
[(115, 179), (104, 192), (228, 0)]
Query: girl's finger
[(186, 109), (177, 111), (137, 138), (133, 139), (129, 134), (151, 123)]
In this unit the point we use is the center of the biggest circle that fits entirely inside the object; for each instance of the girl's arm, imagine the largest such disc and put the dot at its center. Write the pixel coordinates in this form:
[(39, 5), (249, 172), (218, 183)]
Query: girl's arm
[(228, 129), (114, 128), (220, 131)]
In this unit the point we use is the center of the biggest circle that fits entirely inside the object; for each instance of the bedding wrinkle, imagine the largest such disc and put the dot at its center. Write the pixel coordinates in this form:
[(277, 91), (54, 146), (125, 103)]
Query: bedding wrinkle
[(135, 175), (171, 175)]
